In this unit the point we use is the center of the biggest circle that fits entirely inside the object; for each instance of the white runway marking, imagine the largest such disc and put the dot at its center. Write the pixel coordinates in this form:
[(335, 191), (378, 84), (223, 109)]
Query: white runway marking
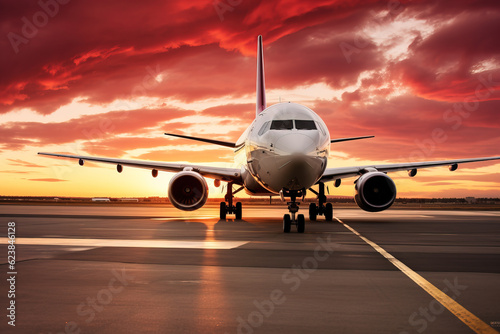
[(208, 244), (474, 323), (183, 218)]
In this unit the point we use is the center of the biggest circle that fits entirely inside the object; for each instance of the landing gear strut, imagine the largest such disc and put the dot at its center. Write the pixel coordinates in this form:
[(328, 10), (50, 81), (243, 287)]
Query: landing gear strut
[(322, 208), (293, 219), (227, 206)]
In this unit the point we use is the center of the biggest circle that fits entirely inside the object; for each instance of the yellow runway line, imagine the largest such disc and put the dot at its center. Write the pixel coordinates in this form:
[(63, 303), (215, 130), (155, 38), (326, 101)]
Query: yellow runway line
[(474, 323)]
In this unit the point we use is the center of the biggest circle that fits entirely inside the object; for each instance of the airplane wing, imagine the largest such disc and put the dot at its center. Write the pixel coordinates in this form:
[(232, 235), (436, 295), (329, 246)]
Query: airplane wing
[(221, 173), (345, 172)]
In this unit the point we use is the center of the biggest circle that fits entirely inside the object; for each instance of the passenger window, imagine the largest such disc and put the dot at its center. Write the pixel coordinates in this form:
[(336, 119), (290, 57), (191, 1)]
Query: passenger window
[(282, 124), (264, 128), (305, 125)]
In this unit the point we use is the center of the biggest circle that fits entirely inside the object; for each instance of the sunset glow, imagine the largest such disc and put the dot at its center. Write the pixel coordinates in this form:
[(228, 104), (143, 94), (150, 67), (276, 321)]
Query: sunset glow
[(109, 78)]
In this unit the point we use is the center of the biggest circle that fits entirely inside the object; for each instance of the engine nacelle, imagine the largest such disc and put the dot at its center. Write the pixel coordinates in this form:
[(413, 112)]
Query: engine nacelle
[(375, 191), (188, 191)]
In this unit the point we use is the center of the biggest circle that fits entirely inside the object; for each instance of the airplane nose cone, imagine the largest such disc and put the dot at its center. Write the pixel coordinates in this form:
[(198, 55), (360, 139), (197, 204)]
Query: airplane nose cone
[(295, 144)]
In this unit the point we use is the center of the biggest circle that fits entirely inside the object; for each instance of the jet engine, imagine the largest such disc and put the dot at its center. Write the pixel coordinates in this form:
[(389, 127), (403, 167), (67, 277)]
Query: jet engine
[(375, 191), (188, 191)]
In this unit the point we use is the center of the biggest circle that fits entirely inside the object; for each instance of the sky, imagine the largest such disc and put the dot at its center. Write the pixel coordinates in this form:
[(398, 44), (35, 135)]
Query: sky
[(109, 78)]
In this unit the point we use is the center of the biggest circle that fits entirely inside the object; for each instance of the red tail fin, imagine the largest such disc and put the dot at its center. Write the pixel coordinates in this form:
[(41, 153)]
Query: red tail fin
[(261, 89)]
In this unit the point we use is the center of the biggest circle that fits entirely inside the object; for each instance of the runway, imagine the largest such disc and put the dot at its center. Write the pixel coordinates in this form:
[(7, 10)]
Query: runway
[(154, 269)]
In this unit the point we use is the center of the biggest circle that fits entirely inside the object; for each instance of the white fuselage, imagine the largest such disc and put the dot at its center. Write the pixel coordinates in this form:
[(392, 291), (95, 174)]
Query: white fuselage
[(286, 148)]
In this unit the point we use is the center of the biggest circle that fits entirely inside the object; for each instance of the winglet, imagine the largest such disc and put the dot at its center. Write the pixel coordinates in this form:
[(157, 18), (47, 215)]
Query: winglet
[(261, 89)]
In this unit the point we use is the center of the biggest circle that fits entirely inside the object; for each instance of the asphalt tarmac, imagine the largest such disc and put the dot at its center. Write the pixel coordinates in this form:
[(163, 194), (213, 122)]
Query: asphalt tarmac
[(154, 269)]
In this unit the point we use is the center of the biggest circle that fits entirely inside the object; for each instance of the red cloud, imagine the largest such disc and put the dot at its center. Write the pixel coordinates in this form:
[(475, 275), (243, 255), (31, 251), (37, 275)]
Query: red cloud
[(405, 128), (120, 54), (90, 127), (240, 112), (449, 64)]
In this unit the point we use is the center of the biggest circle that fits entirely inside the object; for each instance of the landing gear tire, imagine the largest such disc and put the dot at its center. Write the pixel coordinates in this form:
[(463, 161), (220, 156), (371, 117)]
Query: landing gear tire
[(301, 223), (313, 212), (222, 211), (287, 223), (329, 212), (238, 211)]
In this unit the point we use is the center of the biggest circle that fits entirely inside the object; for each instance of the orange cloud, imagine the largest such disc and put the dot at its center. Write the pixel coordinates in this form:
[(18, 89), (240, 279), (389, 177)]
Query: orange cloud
[(47, 180)]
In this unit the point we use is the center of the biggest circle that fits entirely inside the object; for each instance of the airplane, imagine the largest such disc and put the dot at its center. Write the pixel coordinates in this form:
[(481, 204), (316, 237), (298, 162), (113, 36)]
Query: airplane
[(283, 152)]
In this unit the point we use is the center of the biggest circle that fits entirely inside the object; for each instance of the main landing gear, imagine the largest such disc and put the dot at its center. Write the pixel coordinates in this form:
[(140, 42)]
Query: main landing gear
[(322, 208), (227, 206), (293, 219)]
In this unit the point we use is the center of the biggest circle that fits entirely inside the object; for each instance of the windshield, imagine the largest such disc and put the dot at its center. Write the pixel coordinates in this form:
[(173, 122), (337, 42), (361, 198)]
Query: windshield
[(305, 125), (282, 124)]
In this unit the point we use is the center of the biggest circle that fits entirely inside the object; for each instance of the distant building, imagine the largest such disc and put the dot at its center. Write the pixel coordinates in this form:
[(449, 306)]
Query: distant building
[(129, 200), (470, 200), (100, 199)]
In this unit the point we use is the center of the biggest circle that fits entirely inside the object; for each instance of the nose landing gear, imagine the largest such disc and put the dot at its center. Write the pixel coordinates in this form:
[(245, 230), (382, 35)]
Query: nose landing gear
[(293, 218)]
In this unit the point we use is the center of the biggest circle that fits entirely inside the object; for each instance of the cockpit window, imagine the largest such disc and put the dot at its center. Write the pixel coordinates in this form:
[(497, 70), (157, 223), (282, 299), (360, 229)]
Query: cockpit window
[(282, 124), (305, 125), (321, 128), (264, 128), (289, 124)]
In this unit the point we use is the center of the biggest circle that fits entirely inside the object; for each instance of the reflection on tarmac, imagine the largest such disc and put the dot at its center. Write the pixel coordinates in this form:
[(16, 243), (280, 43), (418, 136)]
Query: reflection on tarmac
[(210, 243)]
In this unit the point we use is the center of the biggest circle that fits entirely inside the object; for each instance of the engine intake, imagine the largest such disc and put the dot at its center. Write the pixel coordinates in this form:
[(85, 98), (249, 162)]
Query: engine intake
[(375, 191), (188, 191)]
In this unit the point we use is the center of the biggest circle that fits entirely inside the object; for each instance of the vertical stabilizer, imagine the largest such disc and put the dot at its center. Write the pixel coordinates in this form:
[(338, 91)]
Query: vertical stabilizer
[(261, 89)]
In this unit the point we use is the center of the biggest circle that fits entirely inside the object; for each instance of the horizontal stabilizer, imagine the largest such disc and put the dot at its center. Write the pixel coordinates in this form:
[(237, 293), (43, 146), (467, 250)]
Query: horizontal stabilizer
[(205, 140), (347, 139)]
